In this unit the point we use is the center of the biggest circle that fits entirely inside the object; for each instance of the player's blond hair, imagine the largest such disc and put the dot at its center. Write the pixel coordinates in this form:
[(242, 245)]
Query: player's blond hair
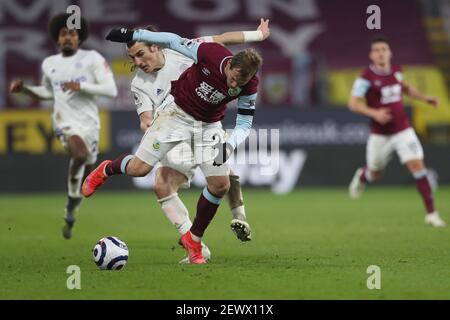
[(248, 62)]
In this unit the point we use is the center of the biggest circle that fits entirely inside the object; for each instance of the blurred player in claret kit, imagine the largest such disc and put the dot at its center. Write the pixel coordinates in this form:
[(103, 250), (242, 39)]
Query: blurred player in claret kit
[(156, 68), (377, 93), (192, 114), (72, 79)]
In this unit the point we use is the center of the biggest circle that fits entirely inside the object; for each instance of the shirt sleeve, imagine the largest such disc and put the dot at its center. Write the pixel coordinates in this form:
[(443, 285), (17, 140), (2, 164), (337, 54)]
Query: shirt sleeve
[(45, 90), (187, 47), (141, 100), (360, 87), (244, 120), (104, 79)]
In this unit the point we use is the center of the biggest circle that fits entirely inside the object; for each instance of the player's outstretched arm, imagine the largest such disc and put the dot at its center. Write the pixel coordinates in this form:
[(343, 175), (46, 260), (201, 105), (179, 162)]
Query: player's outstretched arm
[(103, 84), (105, 87), (239, 37), (169, 40), (36, 92), (416, 94)]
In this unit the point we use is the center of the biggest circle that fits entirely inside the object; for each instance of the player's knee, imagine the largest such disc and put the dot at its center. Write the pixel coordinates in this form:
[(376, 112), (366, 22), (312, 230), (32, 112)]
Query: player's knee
[(80, 158), (162, 189), (220, 188)]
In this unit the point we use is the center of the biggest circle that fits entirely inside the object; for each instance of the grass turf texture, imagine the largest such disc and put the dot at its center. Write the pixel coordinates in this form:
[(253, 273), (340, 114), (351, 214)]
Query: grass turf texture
[(310, 244)]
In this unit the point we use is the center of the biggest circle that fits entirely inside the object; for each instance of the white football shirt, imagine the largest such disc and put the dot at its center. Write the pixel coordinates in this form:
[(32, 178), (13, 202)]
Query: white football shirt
[(78, 109)]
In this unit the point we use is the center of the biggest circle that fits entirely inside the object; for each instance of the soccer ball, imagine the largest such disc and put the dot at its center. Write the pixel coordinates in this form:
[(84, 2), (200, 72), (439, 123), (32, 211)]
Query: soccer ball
[(110, 253)]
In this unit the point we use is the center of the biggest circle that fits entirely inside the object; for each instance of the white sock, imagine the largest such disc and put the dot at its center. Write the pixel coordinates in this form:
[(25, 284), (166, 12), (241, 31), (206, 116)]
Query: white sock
[(239, 213), (368, 175), (176, 212), (195, 238), (74, 182)]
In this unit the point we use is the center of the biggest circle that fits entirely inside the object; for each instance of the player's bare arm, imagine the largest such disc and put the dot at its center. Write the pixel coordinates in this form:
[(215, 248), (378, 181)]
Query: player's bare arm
[(358, 105), (17, 86), (146, 119), (72, 86), (416, 94), (239, 37)]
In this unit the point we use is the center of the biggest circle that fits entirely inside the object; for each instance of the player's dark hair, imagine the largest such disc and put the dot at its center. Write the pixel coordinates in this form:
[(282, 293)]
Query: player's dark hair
[(248, 61), (60, 21), (378, 39), (150, 27)]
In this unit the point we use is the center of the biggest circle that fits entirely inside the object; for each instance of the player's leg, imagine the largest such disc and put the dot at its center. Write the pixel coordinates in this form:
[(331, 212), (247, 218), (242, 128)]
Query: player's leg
[(155, 144), (378, 153), (167, 183), (410, 152), (78, 152), (138, 165), (207, 205), (239, 223)]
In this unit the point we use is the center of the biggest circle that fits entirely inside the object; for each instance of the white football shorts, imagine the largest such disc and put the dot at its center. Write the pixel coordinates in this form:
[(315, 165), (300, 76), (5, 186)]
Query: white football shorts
[(380, 148)]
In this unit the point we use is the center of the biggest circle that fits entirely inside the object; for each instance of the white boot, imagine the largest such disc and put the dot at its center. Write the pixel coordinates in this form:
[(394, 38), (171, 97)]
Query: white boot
[(435, 220)]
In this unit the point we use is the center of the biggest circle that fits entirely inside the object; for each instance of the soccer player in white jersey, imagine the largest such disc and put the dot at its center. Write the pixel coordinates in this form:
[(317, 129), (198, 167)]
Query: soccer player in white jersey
[(151, 85), (72, 79)]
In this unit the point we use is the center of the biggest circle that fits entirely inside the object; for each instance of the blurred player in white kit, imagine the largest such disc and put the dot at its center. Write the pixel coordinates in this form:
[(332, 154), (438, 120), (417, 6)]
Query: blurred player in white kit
[(72, 79)]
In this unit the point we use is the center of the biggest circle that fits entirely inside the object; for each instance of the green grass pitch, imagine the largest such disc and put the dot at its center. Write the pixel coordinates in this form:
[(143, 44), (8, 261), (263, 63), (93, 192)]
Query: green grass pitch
[(310, 244)]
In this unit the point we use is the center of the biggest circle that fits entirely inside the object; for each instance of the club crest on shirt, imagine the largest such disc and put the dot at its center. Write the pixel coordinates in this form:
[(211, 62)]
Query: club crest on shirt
[(159, 91), (156, 145), (377, 83), (234, 92), (205, 71)]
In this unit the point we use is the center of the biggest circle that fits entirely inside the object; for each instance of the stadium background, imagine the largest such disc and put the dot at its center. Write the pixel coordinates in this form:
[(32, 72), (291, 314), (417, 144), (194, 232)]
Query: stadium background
[(310, 65), (312, 242)]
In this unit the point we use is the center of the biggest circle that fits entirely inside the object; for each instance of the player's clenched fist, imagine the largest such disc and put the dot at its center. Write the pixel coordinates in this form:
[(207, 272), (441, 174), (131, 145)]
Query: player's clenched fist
[(120, 35), (16, 86)]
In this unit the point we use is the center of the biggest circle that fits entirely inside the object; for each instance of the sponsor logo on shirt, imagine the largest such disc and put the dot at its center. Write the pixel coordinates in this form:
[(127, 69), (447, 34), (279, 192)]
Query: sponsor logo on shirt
[(209, 93), (234, 92), (391, 94)]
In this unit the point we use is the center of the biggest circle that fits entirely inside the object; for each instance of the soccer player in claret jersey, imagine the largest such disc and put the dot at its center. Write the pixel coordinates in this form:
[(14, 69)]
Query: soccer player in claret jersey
[(72, 79), (156, 68), (193, 113), (377, 93)]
